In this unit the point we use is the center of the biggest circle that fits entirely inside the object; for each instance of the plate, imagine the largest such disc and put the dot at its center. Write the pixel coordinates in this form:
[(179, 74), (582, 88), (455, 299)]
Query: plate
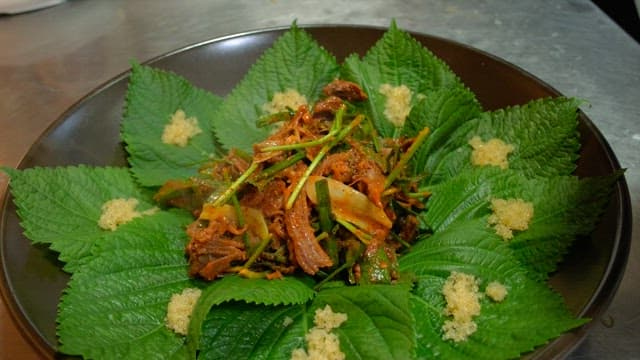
[(88, 133)]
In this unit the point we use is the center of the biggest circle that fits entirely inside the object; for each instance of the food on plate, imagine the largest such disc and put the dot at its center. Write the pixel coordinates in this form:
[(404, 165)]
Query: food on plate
[(375, 191), (321, 342), (316, 195), (462, 295), (180, 308)]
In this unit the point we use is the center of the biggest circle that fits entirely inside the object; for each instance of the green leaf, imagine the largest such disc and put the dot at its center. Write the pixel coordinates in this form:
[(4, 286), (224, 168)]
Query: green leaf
[(442, 111), (564, 207), (571, 207), (472, 248), (468, 195), (238, 330), (543, 132), (295, 61), (379, 325), (285, 291), (61, 206), (152, 98), (169, 228), (397, 59), (120, 295)]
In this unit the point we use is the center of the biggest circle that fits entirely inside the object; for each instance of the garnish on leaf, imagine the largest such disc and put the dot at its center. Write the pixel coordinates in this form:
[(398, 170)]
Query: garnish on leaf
[(155, 100)]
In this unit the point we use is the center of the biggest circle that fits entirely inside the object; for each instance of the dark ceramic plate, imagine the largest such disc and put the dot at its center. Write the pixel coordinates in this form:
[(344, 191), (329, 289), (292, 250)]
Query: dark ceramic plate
[(88, 133)]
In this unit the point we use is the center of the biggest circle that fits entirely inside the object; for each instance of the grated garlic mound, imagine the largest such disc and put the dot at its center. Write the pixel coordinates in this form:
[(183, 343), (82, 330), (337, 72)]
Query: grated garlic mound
[(509, 215), (494, 152), (282, 101), (180, 129), (326, 319), (119, 211), (180, 308), (463, 303), (398, 103), (322, 344), (496, 291), (458, 330)]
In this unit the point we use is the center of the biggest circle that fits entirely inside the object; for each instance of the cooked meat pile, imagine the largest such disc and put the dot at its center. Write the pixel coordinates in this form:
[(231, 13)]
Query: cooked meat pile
[(315, 196)]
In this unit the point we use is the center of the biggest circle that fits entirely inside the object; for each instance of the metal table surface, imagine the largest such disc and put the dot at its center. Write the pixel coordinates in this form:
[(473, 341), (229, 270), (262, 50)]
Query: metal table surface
[(50, 58)]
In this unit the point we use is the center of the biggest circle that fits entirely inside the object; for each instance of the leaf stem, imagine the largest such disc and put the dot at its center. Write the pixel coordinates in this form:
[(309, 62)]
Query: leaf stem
[(263, 244), (360, 234), (324, 205), (249, 274), (231, 190), (316, 161), (374, 136), (419, 195), (281, 116), (279, 166), (324, 217), (335, 128), (404, 159), (399, 239), (332, 275)]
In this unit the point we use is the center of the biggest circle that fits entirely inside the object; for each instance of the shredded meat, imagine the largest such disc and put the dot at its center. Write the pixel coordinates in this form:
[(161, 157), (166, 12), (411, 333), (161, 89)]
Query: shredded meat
[(353, 167), (345, 90), (302, 127), (210, 253), (281, 240), (308, 252), (232, 166), (213, 249), (303, 246), (408, 227), (271, 202), (327, 107)]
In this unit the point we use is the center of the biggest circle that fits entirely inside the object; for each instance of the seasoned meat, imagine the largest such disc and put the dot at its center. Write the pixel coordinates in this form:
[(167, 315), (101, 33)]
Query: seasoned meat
[(345, 90), (327, 107), (308, 252), (214, 244), (303, 246), (354, 168)]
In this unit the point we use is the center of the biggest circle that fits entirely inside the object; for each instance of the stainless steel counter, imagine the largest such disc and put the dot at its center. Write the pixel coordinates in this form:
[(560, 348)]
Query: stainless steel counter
[(50, 58)]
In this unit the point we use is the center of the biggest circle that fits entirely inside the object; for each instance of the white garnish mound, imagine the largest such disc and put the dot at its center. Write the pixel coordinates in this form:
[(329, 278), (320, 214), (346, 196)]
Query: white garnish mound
[(463, 303), (496, 291), (322, 344), (180, 308), (180, 129), (509, 215), (119, 211), (398, 103), (282, 101), (494, 152)]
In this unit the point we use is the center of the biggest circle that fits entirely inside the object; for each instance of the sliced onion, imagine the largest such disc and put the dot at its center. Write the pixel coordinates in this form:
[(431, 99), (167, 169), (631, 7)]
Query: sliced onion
[(253, 218), (210, 212), (255, 222), (350, 205)]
